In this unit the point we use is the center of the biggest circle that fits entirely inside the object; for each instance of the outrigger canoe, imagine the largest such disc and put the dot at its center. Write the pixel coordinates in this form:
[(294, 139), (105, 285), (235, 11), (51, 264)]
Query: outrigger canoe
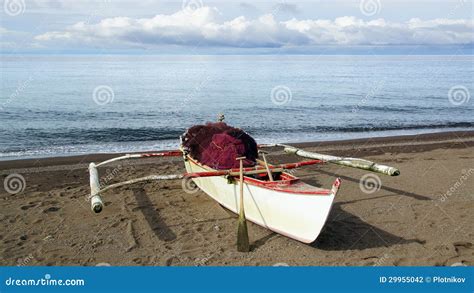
[(285, 205), (273, 198)]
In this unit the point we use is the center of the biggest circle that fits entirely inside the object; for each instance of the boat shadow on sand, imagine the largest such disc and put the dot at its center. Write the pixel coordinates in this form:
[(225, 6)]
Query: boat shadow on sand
[(155, 221), (346, 231), (343, 230)]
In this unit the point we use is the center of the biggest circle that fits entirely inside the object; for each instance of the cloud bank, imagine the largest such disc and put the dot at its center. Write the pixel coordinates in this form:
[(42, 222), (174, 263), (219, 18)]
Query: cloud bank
[(205, 26)]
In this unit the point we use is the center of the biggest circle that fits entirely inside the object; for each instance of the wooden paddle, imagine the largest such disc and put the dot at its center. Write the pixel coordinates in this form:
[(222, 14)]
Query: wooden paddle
[(242, 232)]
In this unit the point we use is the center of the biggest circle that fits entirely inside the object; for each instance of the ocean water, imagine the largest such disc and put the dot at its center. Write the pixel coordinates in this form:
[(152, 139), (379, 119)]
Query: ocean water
[(77, 104)]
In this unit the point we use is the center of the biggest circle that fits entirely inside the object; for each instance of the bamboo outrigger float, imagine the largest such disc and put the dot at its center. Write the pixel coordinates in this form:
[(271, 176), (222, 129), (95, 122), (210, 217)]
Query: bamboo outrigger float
[(348, 162), (272, 197)]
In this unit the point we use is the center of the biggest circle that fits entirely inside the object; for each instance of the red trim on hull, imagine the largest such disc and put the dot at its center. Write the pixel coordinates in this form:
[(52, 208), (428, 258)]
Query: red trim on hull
[(290, 183), (163, 154)]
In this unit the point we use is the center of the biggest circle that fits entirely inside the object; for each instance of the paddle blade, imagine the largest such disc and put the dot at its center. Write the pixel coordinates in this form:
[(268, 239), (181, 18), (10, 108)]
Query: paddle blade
[(242, 233), (243, 236)]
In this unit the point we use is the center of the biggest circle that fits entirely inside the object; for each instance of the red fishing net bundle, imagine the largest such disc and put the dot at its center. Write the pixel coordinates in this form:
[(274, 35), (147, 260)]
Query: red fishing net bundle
[(218, 145)]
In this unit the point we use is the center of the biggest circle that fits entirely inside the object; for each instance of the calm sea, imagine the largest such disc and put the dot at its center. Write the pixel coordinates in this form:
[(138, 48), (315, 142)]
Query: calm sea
[(64, 105)]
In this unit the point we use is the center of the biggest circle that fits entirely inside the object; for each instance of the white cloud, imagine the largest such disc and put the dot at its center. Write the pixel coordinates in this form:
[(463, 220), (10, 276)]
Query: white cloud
[(206, 27)]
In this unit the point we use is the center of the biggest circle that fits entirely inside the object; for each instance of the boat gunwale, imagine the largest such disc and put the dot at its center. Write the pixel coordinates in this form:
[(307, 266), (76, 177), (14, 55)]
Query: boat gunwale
[(275, 185)]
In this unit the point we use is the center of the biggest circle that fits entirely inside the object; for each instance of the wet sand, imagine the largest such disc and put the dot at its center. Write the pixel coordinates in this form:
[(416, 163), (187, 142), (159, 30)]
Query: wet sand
[(422, 217)]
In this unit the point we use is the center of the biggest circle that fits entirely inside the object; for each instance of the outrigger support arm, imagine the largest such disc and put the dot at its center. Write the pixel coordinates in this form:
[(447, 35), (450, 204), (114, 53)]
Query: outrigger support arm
[(176, 153), (149, 178), (137, 180), (96, 189), (96, 201), (348, 162)]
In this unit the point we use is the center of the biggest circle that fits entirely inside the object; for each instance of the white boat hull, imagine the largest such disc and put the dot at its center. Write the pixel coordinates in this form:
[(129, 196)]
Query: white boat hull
[(295, 215)]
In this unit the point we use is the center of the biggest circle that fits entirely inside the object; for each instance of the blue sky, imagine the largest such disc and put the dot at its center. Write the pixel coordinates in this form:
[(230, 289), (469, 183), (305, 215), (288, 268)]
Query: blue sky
[(242, 27)]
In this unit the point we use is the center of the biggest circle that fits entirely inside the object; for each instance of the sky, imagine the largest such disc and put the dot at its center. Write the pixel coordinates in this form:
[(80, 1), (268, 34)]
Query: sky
[(237, 27)]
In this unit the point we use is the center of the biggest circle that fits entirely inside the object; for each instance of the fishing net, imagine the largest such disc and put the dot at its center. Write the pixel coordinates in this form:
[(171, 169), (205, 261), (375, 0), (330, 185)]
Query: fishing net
[(218, 145)]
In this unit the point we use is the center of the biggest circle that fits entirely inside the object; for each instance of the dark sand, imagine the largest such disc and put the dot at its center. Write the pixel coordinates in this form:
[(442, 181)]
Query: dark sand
[(410, 220)]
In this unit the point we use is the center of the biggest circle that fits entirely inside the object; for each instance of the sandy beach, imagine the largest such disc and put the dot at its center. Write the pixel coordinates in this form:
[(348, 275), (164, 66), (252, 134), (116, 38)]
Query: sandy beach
[(422, 217)]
